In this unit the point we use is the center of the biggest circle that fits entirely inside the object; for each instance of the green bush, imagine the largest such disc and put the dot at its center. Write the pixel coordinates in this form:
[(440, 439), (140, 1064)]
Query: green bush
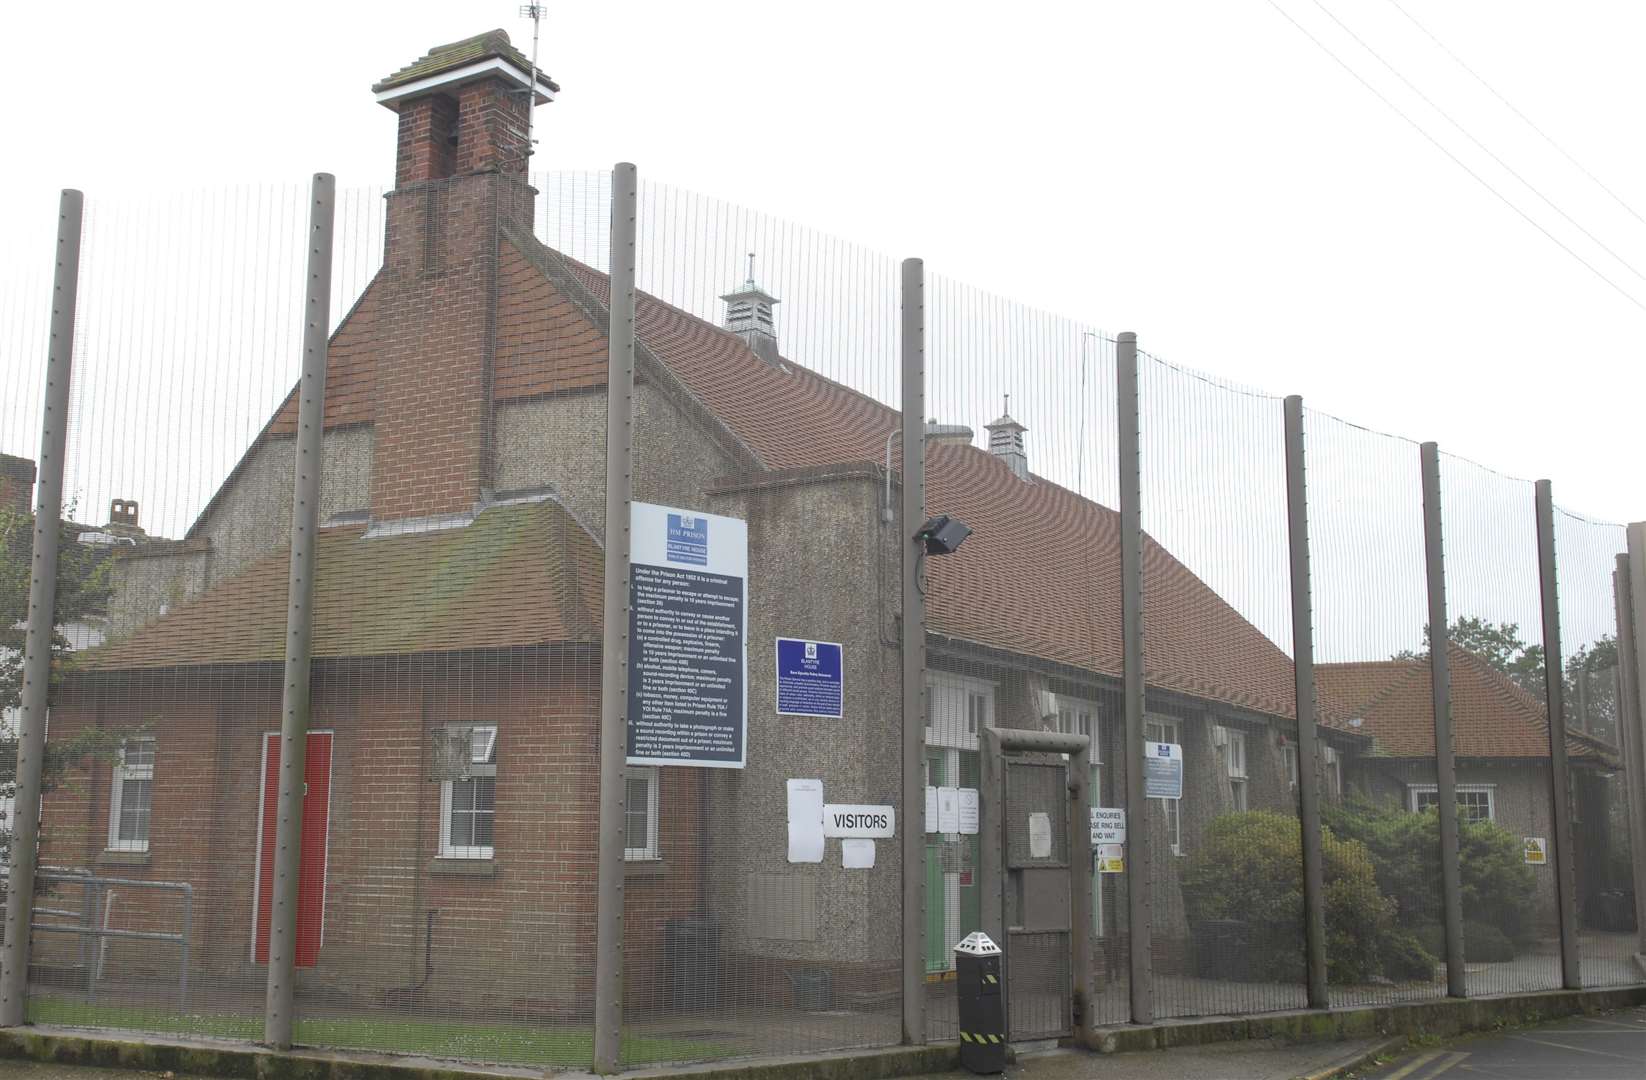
[(1482, 942), (1498, 887), (1249, 867)]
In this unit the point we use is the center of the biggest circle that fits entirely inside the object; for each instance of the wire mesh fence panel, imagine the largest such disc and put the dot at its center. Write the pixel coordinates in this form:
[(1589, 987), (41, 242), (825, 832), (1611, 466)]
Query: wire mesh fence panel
[(1219, 701), (188, 336), (1023, 626), (1511, 934), (447, 882), (1385, 913), (1603, 863), (747, 930)]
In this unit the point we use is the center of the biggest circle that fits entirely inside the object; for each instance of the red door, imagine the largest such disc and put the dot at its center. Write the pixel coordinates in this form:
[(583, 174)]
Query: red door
[(311, 877)]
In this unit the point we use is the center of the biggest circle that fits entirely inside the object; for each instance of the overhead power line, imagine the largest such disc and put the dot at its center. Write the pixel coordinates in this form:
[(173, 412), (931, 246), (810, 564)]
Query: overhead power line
[(1467, 134), (1511, 107), (1459, 162)]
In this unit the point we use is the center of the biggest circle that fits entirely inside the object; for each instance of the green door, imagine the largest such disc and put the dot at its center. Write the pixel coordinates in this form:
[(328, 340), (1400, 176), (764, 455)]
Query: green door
[(937, 945)]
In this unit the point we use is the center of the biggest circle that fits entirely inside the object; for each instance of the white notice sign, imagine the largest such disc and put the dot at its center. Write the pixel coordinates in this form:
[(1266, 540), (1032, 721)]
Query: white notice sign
[(948, 810), (805, 821), (968, 811), (1108, 825), (1040, 835), (931, 809), (857, 854), (1111, 859)]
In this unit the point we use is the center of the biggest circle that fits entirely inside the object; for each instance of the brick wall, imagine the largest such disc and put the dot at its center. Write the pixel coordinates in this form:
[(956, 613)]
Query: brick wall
[(511, 935), (16, 484)]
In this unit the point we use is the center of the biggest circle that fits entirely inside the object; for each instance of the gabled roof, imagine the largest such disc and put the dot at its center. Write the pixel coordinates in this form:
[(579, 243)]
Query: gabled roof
[(1492, 717), (525, 574), (443, 58), (1020, 584)]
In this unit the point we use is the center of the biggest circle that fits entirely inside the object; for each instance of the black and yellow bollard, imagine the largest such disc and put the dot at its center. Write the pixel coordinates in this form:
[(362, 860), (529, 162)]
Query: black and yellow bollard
[(982, 1001)]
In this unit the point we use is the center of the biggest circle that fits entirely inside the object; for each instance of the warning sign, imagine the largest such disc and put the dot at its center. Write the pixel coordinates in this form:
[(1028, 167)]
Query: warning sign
[(1111, 858), (1536, 850)]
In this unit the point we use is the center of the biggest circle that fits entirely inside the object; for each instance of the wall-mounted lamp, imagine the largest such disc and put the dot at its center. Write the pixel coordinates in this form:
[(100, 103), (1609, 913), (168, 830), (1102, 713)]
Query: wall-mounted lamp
[(943, 534)]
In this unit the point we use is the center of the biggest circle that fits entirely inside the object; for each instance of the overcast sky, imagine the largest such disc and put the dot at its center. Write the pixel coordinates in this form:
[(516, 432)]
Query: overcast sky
[(1201, 173)]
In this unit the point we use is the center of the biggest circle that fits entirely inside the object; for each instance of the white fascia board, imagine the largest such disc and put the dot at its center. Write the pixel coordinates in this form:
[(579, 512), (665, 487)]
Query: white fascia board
[(463, 74)]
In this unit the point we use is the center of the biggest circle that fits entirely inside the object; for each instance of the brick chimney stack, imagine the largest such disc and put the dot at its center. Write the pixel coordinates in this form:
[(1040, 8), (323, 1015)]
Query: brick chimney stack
[(17, 484), (460, 175)]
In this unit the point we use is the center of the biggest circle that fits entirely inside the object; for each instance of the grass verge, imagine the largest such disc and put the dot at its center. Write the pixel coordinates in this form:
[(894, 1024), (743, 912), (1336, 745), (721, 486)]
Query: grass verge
[(504, 1044)]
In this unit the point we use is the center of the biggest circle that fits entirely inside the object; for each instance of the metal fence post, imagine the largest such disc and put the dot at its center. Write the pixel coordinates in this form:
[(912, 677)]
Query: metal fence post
[(294, 705), (914, 651), (614, 668), (1139, 903), (1440, 672), (1554, 674), (1080, 855), (1631, 732), (1303, 666), (48, 508)]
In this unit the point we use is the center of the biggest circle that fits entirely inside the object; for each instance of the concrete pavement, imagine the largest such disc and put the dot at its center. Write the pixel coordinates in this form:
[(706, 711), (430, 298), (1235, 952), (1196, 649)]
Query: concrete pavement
[(1606, 1047)]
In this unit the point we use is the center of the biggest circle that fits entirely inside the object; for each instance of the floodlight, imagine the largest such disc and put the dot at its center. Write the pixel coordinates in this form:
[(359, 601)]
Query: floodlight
[(943, 534)]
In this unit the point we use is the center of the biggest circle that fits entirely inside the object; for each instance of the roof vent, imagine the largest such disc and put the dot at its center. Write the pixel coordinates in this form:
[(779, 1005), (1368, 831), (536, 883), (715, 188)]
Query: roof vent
[(1006, 442), (749, 316), (958, 434)]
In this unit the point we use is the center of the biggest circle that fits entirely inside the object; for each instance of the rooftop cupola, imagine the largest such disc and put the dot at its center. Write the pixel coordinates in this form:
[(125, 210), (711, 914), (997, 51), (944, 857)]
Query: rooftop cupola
[(749, 316), (1006, 442)]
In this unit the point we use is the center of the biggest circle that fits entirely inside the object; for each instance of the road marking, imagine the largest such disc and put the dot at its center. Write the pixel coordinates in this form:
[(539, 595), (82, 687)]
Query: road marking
[(1633, 1059), (1412, 1066)]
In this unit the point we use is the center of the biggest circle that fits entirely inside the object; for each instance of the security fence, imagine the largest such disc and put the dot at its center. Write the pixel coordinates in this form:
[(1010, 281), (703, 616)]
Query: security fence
[(928, 612)]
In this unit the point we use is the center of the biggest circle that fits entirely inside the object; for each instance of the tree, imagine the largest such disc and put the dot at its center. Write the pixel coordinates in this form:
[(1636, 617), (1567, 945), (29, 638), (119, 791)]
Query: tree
[(83, 588)]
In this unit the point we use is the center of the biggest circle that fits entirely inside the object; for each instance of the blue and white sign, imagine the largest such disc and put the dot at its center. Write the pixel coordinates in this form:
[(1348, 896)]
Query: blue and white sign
[(688, 539), (1162, 770), (688, 638), (810, 681)]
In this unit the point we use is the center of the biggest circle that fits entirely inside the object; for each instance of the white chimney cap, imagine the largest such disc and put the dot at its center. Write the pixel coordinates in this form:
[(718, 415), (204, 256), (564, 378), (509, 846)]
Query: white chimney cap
[(977, 943)]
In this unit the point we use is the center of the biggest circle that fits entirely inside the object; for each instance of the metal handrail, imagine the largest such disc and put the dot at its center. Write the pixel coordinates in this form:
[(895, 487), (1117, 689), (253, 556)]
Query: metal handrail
[(183, 888)]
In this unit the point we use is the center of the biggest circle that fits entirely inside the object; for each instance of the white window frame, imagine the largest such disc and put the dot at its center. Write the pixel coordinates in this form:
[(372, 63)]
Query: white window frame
[(1413, 791), (957, 707), (1234, 765), (1162, 729), (121, 773), (1288, 754), (652, 851), (481, 766), (1334, 769)]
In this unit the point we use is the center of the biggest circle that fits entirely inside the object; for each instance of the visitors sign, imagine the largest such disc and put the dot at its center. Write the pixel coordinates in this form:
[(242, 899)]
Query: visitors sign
[(688, 603), (809, 678), (1162, 770), (859, 822)]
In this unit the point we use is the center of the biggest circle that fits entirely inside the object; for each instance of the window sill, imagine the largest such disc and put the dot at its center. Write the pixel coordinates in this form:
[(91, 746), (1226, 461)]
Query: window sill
[(644, 867), (123, 858), (464, 867)]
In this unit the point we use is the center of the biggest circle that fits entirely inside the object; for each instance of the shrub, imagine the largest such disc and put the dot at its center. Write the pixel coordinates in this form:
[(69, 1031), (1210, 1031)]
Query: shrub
[(1249, 867), (1498, 887), (1482, 942)]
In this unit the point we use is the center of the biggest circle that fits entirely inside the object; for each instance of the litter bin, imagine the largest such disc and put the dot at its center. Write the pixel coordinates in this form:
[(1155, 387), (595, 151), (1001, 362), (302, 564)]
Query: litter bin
[(1222, 950), (692, 947), (982, 1000)]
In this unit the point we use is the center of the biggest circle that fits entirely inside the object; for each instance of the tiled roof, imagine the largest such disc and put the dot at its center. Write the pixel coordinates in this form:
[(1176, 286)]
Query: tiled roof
[(1016, 584), (525, 574), (443, 58), (1492, 717)]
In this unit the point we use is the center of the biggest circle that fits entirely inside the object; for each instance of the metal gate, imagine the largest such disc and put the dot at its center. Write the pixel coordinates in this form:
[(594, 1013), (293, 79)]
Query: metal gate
[(1036, 868), (1038, 898)]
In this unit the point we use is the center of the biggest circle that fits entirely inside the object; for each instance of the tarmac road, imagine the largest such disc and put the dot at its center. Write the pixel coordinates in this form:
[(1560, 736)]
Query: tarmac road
[(1609, 1047)]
